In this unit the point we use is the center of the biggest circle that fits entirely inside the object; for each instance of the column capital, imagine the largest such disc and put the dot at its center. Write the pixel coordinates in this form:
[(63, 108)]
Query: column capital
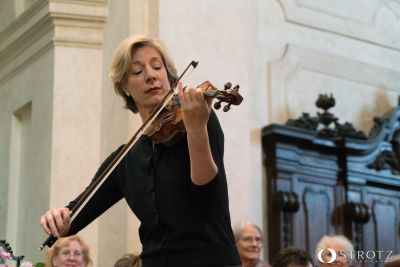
[(47, 24)]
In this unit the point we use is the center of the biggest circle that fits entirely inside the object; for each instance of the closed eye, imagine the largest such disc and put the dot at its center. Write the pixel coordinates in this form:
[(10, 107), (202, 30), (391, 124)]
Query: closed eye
[(157, 67), (136, 71)]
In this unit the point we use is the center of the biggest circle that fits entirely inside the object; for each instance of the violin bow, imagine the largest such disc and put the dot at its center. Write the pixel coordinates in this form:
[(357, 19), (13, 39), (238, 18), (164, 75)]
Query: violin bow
[(92, 189)]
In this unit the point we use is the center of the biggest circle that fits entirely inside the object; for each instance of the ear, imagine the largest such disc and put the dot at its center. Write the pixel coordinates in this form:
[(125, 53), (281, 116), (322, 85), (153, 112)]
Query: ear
[(127, 92), (54, 261)]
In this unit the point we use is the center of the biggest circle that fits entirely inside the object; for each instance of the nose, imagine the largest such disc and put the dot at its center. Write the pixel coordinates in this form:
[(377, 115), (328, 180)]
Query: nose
[(150, 74)]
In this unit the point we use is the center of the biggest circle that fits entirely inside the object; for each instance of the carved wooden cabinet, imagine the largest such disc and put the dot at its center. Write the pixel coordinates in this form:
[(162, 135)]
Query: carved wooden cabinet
[(324, 177)]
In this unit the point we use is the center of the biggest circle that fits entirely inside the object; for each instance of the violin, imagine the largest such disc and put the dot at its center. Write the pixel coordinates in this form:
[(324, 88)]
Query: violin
[(169, 121), (163, 123)]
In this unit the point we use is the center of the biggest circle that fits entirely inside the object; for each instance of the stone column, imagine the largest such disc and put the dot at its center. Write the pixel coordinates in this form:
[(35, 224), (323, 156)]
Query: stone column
[(50, 102)]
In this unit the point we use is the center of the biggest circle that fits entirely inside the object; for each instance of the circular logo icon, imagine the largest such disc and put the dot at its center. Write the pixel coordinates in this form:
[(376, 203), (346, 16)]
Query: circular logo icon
[(333, 255)]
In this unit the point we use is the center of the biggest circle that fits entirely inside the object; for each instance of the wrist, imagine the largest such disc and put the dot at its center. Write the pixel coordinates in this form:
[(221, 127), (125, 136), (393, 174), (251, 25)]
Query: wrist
[(197, 132)]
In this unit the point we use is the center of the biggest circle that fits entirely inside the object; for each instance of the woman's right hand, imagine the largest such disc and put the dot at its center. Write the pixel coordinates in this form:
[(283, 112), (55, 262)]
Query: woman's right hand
[(56, 221)]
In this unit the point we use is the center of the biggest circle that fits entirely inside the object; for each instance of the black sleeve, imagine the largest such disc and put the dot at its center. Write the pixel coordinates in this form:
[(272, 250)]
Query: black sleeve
[(216, 139), (106, 196), (207, 192)]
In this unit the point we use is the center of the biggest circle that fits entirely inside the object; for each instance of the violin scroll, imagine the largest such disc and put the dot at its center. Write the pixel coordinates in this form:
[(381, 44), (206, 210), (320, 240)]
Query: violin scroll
[(229, 95)]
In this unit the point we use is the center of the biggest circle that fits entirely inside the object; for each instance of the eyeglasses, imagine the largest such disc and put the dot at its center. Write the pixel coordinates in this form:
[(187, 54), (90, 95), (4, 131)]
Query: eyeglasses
[(68, 253), (250, 239)]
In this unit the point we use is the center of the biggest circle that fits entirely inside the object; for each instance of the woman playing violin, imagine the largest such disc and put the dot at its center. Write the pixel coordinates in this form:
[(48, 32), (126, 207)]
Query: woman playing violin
[(178, 188)]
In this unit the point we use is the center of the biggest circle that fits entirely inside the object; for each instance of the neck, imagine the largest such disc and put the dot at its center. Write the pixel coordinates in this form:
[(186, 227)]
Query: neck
[(144, 114), (249, 263)]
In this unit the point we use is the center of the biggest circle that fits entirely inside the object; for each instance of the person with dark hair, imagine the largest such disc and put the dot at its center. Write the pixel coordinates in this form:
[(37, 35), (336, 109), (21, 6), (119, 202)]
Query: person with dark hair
[(128, 260), (177, 188), (292, 257)]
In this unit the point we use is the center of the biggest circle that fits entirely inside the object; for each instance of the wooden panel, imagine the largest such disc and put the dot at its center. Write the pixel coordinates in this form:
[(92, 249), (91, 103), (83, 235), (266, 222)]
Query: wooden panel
[(344, 183), (315, 214), (383, 228)]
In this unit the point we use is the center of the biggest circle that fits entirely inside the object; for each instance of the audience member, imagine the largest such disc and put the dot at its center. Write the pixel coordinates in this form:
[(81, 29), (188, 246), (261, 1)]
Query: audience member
[(292, 257), (129, 260), (334, 250), (249, 242), (68, 251), (393, 261)]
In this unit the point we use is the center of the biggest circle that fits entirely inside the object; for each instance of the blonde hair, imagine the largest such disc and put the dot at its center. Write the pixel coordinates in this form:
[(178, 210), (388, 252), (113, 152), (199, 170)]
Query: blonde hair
[(63, 242), (122, 62)]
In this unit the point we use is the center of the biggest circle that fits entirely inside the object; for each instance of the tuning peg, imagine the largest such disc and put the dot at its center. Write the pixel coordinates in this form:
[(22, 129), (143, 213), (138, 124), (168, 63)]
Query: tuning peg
[(217, 105), (227, 86), (227, 107)]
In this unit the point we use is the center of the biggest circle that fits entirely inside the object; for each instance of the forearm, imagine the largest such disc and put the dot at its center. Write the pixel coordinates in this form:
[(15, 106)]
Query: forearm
[(202, 166)]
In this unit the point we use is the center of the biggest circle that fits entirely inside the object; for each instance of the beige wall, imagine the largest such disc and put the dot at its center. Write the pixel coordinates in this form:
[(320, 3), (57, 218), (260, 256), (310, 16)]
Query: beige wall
[(60, 117)]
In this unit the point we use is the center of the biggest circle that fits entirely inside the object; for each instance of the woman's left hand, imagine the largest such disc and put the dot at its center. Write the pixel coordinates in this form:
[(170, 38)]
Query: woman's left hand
[(195, 108), (195, 112)]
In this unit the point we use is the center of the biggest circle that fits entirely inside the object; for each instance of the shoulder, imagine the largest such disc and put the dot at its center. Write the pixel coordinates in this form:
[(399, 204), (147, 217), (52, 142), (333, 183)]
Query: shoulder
[(108, 160), (114, 153)]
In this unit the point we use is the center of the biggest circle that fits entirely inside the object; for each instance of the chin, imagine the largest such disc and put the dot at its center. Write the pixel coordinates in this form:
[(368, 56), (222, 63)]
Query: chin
[(252, 257), (154, 102)]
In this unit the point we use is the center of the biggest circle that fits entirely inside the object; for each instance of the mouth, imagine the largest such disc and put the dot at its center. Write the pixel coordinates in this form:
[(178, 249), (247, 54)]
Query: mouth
[(152, 90), (253, 251)]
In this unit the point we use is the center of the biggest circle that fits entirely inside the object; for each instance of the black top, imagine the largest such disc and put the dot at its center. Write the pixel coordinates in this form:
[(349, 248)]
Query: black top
[(182, 224)]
